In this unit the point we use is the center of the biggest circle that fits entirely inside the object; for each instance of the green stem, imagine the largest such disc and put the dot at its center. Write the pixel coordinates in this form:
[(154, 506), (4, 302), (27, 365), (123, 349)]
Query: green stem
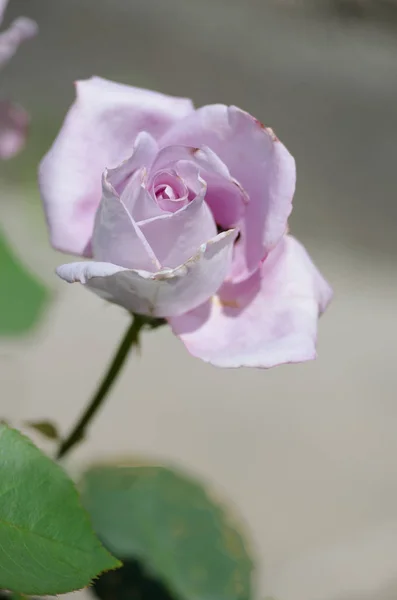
[(131, 338)]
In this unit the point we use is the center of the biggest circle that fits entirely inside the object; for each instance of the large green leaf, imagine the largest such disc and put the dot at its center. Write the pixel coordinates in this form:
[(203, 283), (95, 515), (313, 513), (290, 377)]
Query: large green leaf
[(47, 544), (22, 296), (170, 523)]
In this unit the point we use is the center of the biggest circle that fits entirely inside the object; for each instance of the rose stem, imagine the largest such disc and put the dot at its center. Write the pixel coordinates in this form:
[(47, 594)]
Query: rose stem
[(131, 338)]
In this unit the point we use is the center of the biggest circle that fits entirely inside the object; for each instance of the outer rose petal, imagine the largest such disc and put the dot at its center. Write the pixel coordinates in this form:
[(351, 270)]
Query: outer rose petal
[(98, 132), (20, 30), (266, 321), (14, 123), (259, 162), (163, 294)]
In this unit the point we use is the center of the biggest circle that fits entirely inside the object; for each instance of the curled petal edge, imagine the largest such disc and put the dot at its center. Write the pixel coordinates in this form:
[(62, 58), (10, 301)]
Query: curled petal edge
[(167, 293)]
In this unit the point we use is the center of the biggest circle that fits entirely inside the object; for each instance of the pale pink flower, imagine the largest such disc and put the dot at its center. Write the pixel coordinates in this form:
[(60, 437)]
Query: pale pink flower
[(13, 119), (184, 213)]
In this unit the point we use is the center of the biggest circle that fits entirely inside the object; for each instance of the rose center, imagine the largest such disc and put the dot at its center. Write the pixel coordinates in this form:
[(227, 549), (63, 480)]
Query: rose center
[(169, 191), (164, 192)]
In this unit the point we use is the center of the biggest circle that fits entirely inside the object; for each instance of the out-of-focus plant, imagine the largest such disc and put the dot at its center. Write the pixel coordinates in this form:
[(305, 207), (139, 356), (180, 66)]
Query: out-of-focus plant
[(47, 544), (23, 297), (14, 120)]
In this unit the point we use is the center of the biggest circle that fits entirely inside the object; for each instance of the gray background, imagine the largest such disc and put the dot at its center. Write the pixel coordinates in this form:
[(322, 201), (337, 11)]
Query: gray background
[(307, 454)]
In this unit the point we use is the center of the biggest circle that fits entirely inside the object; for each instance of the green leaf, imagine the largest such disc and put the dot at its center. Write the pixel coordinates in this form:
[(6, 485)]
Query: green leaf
[(46, 428), (47, 545), (170, 523), (23, 297)]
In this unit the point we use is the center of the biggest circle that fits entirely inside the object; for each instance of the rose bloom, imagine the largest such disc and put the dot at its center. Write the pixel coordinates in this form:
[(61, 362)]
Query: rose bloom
[(14, 120), (184, 213)]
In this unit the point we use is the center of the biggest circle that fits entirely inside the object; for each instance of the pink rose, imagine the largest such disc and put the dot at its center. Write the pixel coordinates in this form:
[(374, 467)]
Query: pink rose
[(185, 214), (13, 119)]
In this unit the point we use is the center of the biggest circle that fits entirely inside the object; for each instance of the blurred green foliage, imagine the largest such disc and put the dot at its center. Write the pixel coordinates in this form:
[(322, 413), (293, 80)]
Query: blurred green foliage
[(170, 524), (23, 297)]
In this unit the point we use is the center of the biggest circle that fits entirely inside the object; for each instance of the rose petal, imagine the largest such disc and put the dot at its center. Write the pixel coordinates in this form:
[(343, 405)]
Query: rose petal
[(137, 199), (203, 157), (176, 236), (266, 321), (116, 238), (143, 155), (20, 30), (98, 132), (224, 196), (14, 123), (257, 160), (129, 177), (163, 294), (226, 199)]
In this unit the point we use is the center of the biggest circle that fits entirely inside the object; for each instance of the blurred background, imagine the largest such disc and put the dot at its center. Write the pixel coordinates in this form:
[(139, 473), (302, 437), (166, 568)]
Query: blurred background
[(306, 454)]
